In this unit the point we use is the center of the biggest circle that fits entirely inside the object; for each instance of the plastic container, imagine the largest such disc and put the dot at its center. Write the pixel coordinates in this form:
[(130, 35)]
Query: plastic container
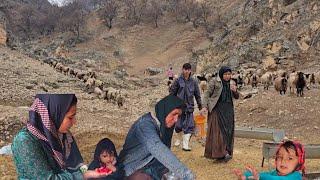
[(200, 121)]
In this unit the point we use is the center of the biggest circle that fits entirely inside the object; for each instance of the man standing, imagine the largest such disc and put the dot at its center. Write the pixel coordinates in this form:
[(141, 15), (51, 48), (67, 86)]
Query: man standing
[(186, 88)]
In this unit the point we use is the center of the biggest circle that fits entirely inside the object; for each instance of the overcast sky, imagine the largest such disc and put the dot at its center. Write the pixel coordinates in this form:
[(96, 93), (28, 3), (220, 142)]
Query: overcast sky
[(59, 2)]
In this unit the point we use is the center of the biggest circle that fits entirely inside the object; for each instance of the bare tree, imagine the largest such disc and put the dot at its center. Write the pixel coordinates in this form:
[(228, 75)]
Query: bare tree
[(186, 9), (135, 9), (174, 7), (73, 17), (189, 11), (48, 21), (155, 11), (196, 13), (109, 12), (206, 11), (183, 9), (26, 20)]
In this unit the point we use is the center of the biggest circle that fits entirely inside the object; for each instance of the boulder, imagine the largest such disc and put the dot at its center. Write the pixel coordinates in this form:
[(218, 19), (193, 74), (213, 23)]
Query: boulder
[(269, 63)]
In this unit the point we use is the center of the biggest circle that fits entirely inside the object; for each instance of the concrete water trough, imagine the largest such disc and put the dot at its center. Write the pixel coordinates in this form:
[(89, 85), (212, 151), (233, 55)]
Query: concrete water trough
[(275, 135), (313, 175)]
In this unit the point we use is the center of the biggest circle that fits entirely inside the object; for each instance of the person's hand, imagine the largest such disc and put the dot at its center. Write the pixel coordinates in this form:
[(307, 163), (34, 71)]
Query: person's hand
[(239, 174), (114, 162), (254, 172), (94, 174), (233, 87), (111, 167), (204, 111)]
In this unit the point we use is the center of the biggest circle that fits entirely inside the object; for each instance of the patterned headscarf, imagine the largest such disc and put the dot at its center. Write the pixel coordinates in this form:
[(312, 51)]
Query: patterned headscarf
[(300, 152), (45, 117)]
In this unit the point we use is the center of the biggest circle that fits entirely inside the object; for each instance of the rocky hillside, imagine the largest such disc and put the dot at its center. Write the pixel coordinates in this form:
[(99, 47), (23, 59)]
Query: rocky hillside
[(274, 34), (22, 77), (265, 34), (271, 35)]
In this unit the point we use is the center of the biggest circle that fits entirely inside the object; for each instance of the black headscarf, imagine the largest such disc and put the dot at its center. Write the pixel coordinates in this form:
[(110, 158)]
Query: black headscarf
[(103, 145), (45, 117), (226, 92), (223, 70), (162, 109), (225, 111)]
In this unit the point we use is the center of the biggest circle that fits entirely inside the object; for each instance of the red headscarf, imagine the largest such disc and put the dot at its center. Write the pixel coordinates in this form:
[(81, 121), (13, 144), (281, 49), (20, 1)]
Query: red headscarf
[(300, 152)]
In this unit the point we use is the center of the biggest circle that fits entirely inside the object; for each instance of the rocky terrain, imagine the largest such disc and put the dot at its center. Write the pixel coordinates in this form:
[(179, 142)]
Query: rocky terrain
[(22, 77), (267, 35), (264, 34)]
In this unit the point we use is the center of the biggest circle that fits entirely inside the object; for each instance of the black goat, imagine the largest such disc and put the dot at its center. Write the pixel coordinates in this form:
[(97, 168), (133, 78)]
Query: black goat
[(284, 84), (301, 83), (202, 78), (254, 81)]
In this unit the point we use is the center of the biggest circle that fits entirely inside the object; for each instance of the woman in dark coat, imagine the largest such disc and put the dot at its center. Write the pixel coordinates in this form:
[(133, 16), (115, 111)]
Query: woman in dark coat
[(219, 105), (146, 152)]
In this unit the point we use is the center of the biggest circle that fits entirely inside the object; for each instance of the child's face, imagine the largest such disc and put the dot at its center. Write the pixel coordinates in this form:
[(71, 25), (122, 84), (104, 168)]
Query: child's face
[(286, 162), (106, 158)]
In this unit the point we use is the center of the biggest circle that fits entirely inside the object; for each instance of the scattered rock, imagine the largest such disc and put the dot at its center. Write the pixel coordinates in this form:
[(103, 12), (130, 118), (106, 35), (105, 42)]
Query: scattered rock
[(120, 73), (269, 63), (281, 112), (31, 86), (43, 88), (153, 71), (53, 85), (248, 94)]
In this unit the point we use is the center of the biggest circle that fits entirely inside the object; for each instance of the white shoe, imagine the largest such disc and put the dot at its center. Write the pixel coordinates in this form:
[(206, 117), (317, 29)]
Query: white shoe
[(177, 142), (185, 142)]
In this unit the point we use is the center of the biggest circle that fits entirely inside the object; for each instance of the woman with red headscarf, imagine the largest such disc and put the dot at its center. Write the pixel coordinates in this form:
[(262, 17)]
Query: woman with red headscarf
[(290, 158)]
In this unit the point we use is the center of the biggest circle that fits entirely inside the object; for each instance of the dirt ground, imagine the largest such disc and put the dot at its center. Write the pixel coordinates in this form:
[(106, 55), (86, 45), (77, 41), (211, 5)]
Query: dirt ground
[(298, 116)]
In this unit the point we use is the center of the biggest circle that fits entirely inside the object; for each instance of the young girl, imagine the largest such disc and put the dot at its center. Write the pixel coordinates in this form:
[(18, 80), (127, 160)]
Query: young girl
[(105, 160), (290, 158)]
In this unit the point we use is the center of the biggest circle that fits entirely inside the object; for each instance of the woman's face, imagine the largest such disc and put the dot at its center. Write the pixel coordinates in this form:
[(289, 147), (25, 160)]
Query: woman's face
[(106, 158), (286, 162), (172, 117), (69, 120), (227, 76)]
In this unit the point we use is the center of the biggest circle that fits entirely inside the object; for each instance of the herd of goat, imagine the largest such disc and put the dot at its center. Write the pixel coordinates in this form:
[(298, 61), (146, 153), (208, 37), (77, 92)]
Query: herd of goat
[(281, 79), (92, 84)]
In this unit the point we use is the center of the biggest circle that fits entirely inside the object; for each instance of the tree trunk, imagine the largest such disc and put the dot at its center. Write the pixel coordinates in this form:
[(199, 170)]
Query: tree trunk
[(110, 23)]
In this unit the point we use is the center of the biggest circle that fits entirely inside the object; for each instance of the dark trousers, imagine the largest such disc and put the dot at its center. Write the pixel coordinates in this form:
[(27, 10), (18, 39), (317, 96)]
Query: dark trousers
[(185, 123)]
